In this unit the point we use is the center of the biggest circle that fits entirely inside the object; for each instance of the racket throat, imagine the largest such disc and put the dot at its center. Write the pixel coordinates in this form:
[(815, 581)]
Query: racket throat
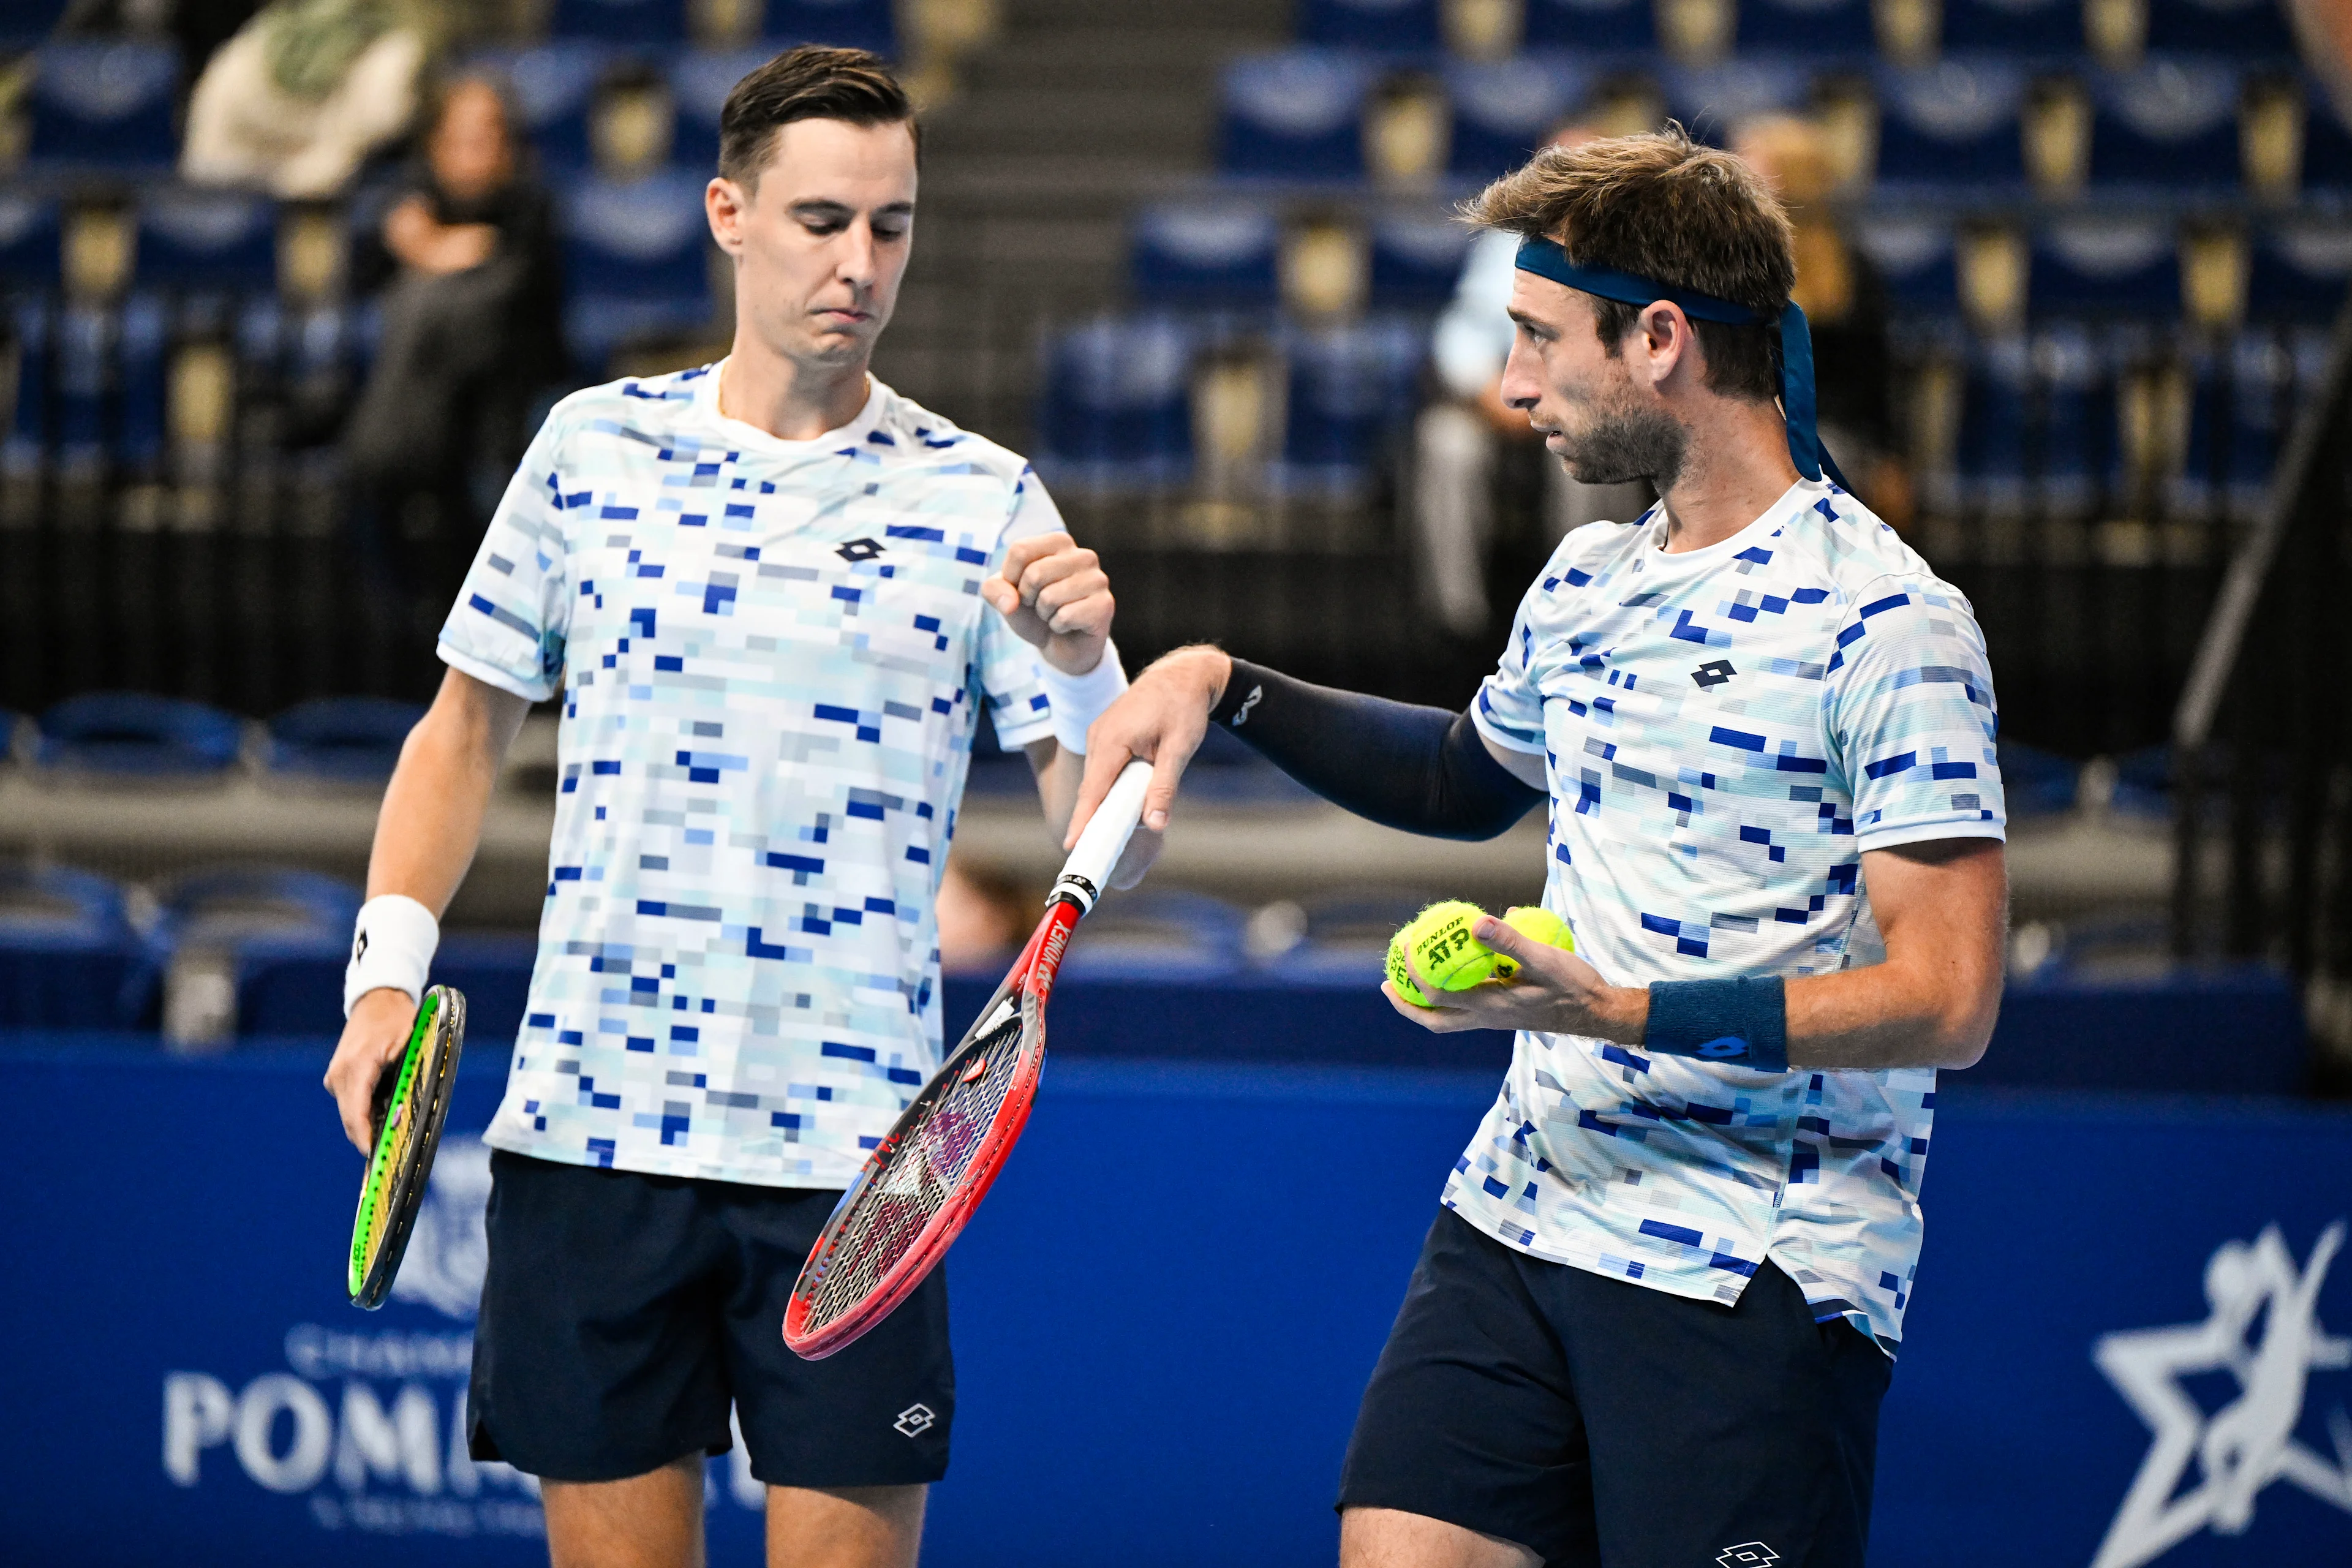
[(1074, 890)]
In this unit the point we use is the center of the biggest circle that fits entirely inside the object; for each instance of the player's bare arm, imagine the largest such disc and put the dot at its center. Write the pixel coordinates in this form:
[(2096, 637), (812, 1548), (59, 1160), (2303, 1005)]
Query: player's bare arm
[(1941, 905), (425, 836)]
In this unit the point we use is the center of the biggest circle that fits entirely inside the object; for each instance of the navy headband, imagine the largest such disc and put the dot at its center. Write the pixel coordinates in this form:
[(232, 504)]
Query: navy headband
[(1546, 259)]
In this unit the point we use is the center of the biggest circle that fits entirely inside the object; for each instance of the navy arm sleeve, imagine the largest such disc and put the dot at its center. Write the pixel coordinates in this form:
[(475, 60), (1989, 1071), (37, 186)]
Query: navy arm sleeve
[(1422, 770)]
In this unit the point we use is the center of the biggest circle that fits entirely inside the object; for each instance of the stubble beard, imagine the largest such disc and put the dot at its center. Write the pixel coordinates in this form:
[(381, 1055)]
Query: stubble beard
[(1626, 441)]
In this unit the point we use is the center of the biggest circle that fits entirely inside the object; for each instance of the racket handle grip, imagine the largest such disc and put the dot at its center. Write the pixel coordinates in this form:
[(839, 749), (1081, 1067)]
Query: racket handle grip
[(1087, 871)]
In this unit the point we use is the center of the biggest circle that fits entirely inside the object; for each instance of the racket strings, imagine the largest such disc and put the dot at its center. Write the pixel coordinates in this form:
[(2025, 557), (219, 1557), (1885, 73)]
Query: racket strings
[(928, 1166)]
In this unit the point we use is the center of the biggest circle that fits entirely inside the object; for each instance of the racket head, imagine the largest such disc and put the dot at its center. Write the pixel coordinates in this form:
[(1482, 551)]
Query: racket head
[(922, 1182), (408, 1120)]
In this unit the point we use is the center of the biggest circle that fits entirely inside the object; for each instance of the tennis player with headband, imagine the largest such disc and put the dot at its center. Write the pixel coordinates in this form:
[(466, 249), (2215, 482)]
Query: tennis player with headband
[(1654, 1323), (773, 596)]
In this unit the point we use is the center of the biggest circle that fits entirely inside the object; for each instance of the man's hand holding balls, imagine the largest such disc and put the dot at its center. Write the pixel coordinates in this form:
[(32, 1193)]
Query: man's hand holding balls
[(1455, 967)]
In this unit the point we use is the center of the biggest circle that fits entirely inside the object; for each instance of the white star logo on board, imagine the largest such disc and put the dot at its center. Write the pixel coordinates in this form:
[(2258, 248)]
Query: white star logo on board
[(2249, 1443)]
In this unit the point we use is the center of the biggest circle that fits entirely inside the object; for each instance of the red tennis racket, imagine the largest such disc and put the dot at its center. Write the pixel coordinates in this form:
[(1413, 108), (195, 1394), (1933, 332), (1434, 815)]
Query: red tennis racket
[(923, 1182)]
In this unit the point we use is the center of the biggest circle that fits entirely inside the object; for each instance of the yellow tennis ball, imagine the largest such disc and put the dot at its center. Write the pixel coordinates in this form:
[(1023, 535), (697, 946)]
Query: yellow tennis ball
[(1442, 949), (1536, 921)]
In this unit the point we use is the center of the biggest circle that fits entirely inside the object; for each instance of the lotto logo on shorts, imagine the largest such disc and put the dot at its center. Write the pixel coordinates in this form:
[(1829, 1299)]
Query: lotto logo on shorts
[(915, 1420), (1749, 1554)]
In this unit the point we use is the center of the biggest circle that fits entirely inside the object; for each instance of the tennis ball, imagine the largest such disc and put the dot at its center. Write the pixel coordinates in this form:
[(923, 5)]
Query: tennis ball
[(1539, 923), (1443, 948)]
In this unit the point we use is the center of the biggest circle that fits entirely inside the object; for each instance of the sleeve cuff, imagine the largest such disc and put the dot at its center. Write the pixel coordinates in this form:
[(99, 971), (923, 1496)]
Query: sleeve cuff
[(489, 674), (1501, 737), (1895, 834)]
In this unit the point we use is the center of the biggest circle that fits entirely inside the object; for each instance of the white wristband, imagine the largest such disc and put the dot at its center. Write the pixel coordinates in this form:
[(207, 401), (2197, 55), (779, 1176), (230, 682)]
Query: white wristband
[(1079, 700), (392, 949)]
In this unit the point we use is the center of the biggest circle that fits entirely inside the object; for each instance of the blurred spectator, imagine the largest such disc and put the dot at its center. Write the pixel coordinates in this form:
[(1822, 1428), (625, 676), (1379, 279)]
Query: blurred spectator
[(299, 97), (2325, 28), (466, 262), (1845, 307), (1464, 440)]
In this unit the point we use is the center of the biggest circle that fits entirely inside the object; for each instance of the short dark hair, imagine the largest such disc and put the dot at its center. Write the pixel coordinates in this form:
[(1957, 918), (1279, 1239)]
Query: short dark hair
[(811, 82), (1663, 207)]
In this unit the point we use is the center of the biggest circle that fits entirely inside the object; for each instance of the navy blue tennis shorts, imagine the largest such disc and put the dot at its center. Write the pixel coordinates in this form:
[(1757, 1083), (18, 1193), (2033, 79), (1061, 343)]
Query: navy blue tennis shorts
[(1594, 1420), (622, 1314)]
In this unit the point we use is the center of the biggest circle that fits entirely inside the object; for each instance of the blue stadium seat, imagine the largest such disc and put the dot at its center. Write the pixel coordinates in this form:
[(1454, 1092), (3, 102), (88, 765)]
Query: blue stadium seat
[(846, 24), (2248, 28), (1295, 115), (29, 242), (1590, 27), (2299, 268), (82, 378), (104, 105), (1117, 402), (1390, 26), (1955, 122), (1344, 938), (636, 261), (2078, 416), (554, 88), (142, 374), (2238, 401), (639, 22), (132, 734), (699, 81), (2170, 122), (69, 956), (2326, 143), (341, 740), (27, 441), (1417, 259), (1223, 255), (1712, 101), (1815, 27), (206, 239), (1351, 389), (287, 934), (2105, 266), (1504, 110), (2025, 28), (1995, 424), (27, 22), (1160, 934)]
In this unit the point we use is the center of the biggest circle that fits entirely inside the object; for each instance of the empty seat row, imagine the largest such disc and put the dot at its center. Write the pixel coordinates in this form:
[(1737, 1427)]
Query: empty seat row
[(1233, 256), (134, 735), (1326, 115), (2248, 28), (2287, 269), (1150, 401), (2055, 419)]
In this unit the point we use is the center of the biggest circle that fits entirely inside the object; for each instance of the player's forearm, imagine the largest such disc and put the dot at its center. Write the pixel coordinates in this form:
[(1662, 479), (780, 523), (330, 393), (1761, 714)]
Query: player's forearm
[(1422, 770), (1929, 1013), (431, 820), (1058, 770)]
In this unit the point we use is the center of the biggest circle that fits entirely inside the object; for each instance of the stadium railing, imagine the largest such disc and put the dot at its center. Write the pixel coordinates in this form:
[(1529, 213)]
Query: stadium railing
[(2262, 769)]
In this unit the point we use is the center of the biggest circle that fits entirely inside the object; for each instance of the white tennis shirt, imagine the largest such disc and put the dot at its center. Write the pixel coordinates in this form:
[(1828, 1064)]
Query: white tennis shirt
[(1725, 730), (772, 655)]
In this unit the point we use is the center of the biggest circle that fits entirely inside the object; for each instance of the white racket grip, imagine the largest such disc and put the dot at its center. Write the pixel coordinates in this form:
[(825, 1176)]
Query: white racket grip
[(1087, 871)]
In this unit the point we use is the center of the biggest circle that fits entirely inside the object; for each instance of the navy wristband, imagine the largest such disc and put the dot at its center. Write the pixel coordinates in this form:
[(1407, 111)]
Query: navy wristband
[(1740, 1023)]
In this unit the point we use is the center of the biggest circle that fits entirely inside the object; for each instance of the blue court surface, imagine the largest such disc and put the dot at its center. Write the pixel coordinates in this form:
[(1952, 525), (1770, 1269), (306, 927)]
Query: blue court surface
[(1164, 1315)]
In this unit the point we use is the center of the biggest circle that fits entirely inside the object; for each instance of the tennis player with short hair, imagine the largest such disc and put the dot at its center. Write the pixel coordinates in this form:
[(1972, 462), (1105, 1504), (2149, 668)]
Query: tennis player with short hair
[(1655, 1326), (774, 595)]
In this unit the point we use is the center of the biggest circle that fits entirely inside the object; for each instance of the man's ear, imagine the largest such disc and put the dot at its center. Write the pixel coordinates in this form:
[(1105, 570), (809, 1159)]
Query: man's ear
[(1668, 341), (723, 203)]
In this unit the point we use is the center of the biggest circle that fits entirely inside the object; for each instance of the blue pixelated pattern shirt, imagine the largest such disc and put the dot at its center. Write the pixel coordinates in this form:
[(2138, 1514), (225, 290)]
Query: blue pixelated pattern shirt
[(1725, 730), (771, 656)]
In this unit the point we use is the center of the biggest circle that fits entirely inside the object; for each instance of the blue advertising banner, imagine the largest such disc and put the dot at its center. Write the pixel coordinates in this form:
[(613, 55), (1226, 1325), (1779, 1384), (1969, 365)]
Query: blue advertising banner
[(2120, 1352)]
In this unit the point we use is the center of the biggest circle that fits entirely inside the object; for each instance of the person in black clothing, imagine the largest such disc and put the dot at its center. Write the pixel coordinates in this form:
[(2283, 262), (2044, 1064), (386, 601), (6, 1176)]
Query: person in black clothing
[(466, 266)]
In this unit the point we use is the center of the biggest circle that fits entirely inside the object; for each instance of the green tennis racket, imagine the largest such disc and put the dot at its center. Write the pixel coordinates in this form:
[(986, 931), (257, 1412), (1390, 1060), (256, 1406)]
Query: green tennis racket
[(409, 1108)]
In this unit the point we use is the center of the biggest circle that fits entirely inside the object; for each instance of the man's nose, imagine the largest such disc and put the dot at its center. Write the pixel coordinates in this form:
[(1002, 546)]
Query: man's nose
[(856, 263), (1521, 388)]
